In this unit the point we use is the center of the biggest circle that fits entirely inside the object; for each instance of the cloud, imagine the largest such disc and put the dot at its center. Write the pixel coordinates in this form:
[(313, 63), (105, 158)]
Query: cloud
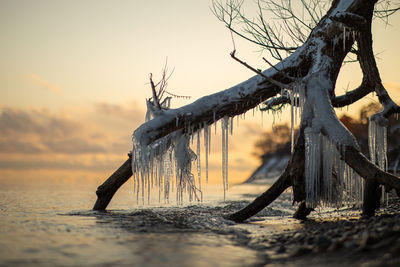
[(46, 163), (13, 146), (45, 84), (18, 122), (40, 131), (73, 145), (129, 112)]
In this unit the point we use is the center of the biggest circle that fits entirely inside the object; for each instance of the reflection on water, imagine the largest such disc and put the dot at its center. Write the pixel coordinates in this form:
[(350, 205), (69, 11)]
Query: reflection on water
[(54, 226)]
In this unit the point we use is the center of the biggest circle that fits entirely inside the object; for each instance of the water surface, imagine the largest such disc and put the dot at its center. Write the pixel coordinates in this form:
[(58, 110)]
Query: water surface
[(53, 225)]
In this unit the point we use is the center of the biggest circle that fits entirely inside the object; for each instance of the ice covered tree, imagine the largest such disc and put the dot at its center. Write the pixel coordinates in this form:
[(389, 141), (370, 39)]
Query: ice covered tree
[(326, 166)]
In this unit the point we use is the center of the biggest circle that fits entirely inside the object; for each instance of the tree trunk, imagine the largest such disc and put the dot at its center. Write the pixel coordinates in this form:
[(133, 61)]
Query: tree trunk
[(106, 191)]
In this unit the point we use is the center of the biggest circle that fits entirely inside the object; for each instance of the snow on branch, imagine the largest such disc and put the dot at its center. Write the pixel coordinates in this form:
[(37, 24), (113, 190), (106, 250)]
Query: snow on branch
[(349, 19), (207, 110), (276, 103)]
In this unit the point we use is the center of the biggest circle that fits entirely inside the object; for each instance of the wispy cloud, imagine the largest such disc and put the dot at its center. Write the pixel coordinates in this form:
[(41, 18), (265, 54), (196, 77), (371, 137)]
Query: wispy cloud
[(40, 131), (129, 112), (44, 83)]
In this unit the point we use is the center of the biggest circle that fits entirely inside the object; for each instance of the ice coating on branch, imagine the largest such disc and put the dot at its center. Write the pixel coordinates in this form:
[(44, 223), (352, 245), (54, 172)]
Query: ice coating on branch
[(377, 143), (330, 182), (166, 163)]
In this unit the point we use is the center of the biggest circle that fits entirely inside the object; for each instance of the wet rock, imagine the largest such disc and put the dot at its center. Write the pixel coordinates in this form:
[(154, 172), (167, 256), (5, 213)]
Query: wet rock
[(335, 246), (322, 243), (366, 240), (281, 249), (310, 240), (298, 236), (301, 251), (350, 244)]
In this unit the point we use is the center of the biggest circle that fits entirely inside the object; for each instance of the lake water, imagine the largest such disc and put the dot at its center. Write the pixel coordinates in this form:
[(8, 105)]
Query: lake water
[(53, 225)]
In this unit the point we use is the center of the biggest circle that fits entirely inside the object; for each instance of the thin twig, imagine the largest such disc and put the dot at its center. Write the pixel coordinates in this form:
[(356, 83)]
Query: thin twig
[(278, 70), (269, 79), (153, 89)]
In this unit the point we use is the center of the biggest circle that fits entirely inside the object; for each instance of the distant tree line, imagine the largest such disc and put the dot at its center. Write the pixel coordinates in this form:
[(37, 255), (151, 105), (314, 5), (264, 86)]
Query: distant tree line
[(277, 142)]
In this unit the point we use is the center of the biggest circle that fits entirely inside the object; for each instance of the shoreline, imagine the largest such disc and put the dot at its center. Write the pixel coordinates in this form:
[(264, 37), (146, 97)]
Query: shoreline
[(332, 238)]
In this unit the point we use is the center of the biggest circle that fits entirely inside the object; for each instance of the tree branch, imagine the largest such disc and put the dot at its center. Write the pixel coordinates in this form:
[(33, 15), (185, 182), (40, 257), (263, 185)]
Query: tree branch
[(281, 85), (352, 96), (275, 101)]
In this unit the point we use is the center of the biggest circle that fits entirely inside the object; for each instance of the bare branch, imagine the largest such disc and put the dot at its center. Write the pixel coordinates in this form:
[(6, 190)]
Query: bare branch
[(352, 96), (270, 104), (280, 71), (156, 101), (281, 85)]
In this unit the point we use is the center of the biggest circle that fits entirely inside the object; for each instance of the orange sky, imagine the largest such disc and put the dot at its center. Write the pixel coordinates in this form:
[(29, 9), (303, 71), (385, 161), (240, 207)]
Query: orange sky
[(74, 74)]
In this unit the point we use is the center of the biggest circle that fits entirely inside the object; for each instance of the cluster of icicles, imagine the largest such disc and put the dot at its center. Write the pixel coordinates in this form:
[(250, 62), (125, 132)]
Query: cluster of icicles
[(330, 182), (347, 34), (377, 142), (166, 165)]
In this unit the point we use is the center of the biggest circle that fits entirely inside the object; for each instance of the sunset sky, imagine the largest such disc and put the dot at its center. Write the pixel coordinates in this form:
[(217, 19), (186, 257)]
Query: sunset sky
[(74, 78)]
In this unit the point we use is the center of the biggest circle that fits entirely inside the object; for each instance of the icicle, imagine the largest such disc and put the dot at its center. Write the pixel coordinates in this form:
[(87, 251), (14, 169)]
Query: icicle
[(206, 147), (225, 133), (198, 160), (262, 119), (335, 42), (214, 117), (312, 168), (292, 107), (226, 153), (344, 38), (223, 154), (231, 125), (396, 164), (377, 143), (328, 159)]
